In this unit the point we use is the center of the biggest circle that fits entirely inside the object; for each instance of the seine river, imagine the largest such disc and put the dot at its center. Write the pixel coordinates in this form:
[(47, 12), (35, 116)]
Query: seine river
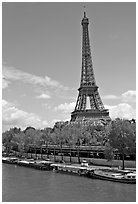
[(20, 184)]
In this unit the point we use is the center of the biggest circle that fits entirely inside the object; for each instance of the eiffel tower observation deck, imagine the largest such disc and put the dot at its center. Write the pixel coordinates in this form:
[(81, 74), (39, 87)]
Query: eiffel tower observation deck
[(89, 105)]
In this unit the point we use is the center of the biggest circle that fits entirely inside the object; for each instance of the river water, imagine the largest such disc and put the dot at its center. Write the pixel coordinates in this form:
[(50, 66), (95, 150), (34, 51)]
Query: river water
[(20, 184)]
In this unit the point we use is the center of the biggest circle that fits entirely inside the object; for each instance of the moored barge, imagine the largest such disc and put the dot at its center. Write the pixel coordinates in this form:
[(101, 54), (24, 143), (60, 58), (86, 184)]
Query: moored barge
[(10, 160), (70, 169), (36, 164), (122, 177)]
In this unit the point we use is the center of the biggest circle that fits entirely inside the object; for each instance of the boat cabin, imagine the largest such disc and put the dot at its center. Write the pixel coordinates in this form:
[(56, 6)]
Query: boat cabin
[(117, 175), (130, 176), (84, 163)]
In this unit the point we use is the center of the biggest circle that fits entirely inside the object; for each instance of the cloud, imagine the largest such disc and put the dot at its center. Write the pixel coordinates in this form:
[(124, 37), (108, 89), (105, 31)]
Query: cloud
[(128, 96), (122, 110), (12, 116), (43, 96), (5, 82), (13, 74), (110, 97), (66, 107)]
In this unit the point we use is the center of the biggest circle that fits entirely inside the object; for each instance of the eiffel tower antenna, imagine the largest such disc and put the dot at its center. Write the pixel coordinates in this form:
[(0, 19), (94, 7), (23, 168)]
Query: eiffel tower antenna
[(88, 89), (84, 8)]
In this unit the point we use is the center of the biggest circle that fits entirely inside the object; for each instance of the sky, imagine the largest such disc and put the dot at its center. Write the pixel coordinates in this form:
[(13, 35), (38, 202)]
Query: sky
[(41, 57)]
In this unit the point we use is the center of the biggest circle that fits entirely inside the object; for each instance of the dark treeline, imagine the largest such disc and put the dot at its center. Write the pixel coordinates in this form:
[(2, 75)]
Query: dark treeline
[(118, 135)]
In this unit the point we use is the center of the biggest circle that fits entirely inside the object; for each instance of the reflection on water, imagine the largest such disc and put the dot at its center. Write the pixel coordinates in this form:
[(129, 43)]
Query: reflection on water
[(29, 185)]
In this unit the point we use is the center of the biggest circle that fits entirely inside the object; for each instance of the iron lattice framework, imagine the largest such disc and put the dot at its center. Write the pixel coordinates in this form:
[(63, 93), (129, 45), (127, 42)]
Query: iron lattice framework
[(88, 89)]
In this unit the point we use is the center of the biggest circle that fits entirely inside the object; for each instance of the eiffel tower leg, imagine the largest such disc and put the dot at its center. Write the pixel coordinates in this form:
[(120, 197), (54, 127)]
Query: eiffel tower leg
[(98, 101), (77, 104)]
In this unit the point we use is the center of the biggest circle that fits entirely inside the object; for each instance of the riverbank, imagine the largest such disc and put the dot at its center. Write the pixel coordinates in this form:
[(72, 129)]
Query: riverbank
[(95, 172), (74, 160), (83, 169), (95, 161)]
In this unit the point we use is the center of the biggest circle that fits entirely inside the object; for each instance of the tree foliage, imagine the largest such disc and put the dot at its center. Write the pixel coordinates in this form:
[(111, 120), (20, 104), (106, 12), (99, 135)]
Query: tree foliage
[(122, 137), (119, 134)]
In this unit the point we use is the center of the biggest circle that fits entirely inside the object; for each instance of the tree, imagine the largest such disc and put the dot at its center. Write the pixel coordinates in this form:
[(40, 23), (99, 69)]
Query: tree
[(69, 138), (30, 138), (21, 141), (54, 142), (122, 137), (109, 152), (78, 137), (60, 139), (46, 137), (7, 138)]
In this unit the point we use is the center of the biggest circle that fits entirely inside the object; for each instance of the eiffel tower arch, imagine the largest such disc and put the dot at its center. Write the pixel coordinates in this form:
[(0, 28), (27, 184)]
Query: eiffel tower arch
[(88, 91)]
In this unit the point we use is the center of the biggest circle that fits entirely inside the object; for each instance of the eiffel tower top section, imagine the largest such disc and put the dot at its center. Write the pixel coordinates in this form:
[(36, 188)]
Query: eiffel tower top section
[(87, 74), (85, 19)]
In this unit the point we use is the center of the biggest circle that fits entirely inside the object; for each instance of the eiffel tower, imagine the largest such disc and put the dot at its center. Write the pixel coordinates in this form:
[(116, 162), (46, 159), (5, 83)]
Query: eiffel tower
[(88, 91)]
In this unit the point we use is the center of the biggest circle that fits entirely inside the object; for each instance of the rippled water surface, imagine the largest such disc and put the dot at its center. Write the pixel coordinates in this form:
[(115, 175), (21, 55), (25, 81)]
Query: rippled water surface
[(29, 185)]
